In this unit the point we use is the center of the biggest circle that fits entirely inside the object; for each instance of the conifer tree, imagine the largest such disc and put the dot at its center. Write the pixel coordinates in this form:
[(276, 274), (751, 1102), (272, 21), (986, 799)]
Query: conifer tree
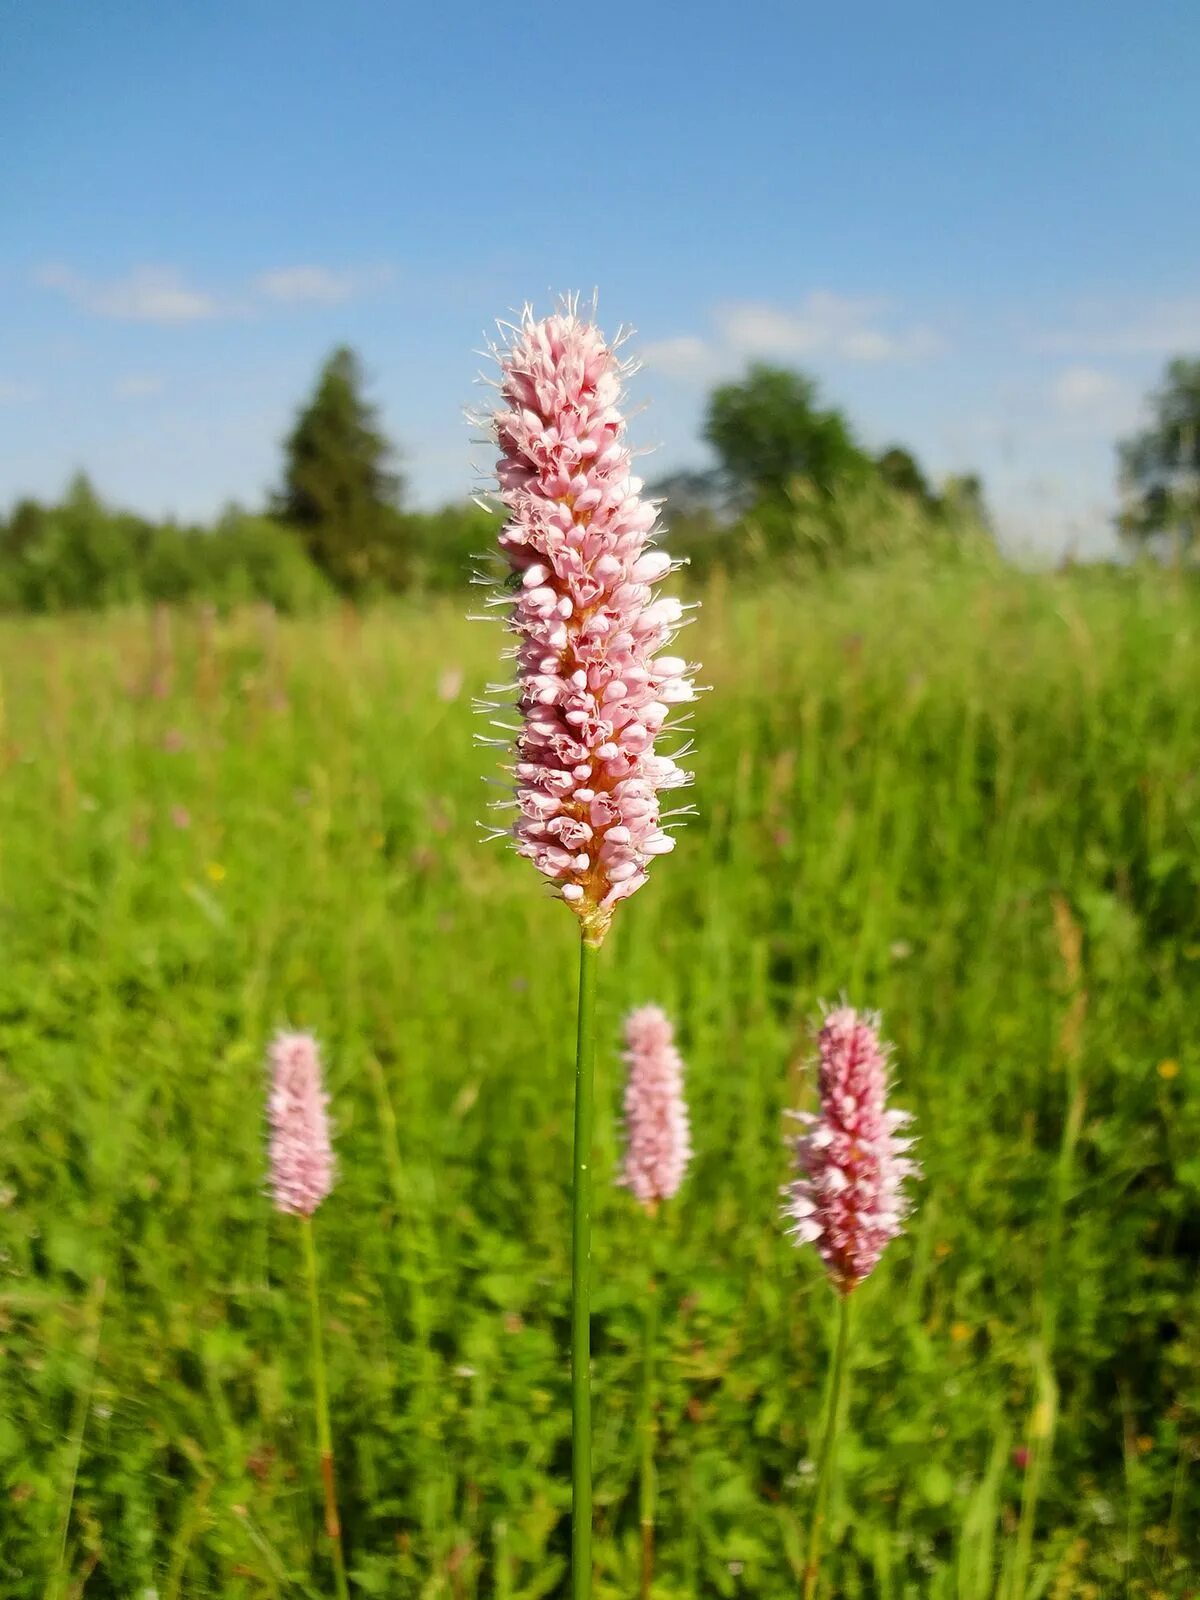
[(340, 492)]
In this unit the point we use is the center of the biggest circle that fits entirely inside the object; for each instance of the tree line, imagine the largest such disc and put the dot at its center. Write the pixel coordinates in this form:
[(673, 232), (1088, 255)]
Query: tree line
[(791, 486), (337, 525)]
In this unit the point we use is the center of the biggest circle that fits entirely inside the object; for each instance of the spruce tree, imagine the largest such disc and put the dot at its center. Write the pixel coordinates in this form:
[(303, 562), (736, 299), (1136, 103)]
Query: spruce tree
[(340, 492)]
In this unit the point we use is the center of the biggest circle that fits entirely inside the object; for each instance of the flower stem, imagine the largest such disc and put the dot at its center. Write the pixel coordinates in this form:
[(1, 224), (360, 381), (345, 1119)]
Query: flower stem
[(333, 1527), (649, 1430), (825, 1462), (1043, 1419), (581, 1260)]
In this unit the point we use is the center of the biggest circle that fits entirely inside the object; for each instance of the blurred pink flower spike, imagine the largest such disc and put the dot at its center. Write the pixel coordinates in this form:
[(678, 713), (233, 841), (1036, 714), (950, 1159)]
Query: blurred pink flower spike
[(851, 1162), (593, 689), (657, 1132), (301, 1155)]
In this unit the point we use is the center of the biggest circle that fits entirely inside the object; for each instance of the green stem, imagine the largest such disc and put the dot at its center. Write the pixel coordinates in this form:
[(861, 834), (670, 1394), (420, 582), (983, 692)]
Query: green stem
[(648, 1485), (825, 1461), (581, 1260), (333, 1527), (1043, 1419), (94, 1313)]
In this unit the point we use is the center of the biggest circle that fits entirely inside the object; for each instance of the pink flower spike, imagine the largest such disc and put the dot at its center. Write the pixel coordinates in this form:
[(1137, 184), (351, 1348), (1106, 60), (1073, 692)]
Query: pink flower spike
[(657, 1134), (300, 1152), (851, 1161), (593, 690)]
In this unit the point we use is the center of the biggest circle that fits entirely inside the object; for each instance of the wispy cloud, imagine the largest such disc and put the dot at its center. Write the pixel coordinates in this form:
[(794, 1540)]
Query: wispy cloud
[(1079, 390), (823, 326), (313, 285), (304, 285), (1091, 403), (1170, 327), (683, 357), (138, 386), (16, 394), (147, 294), (162, 295)]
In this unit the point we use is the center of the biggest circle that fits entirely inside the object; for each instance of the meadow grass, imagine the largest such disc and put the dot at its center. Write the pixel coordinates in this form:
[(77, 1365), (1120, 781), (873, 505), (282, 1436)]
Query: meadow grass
[(970, 799)]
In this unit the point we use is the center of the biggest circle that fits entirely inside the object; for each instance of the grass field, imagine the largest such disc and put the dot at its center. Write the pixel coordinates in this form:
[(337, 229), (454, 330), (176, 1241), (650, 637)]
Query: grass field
[(969, 799)]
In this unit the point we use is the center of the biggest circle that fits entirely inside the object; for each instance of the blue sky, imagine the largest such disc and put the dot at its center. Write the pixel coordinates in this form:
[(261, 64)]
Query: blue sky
[(977, 226)]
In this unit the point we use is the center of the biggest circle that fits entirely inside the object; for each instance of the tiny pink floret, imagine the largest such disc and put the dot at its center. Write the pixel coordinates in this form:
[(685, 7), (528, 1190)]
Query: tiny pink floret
[(851, 1161), (657, 1133), (594, 690), (301, 1155)]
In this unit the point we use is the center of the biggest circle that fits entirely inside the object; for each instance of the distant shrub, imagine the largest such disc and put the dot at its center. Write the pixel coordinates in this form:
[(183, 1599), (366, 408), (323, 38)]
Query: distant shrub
[(82, 555), (446, 546), (255, 558), (864, 522), (76, 554), (859, 523)]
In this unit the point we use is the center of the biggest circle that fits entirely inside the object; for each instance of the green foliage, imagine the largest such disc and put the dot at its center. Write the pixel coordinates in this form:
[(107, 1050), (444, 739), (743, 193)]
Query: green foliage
[(1160, 467), (767, 431), (82, 555), (75, 554), (967, 798), (900, 471), (962, 496), (803, 490), (255, 558), (447, 546), (863, 521), (339, 491)]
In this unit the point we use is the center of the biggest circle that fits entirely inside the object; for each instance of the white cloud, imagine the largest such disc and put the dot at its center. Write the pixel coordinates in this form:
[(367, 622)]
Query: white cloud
[(162, 295), (869, 344), (16, 394), (683, 357), (1171, 327), (147, 294), (823, 326), (750, 329), (138, 386), (1087, 402), (1082, 389), (307, 285)]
